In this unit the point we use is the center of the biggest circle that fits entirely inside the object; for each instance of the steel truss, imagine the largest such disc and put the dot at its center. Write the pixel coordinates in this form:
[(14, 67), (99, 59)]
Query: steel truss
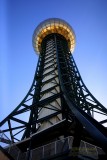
[(58, 93)]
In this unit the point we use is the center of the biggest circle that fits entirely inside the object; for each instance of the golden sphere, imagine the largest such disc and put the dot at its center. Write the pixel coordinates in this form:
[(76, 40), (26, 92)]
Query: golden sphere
[(53, 25)]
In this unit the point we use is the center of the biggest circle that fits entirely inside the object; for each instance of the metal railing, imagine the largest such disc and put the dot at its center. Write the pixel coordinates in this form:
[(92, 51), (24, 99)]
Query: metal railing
[(57, 147)]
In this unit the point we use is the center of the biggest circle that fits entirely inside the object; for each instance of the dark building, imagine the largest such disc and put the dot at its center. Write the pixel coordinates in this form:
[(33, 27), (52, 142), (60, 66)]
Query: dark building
[(61, 114)]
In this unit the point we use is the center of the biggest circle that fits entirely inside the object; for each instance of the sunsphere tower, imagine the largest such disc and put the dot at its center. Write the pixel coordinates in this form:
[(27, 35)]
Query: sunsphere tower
[(58, 118)]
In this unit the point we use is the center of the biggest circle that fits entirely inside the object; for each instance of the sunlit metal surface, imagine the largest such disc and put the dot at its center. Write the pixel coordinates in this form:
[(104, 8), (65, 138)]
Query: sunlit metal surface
[(53, 25)]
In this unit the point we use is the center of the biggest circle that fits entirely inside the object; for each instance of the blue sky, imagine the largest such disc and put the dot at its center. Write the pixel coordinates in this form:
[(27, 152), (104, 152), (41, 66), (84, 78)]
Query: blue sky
[(19, 18)]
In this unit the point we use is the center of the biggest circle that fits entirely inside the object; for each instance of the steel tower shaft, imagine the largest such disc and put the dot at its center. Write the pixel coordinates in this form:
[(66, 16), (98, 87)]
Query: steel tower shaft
[(58, 103), (48, 89)]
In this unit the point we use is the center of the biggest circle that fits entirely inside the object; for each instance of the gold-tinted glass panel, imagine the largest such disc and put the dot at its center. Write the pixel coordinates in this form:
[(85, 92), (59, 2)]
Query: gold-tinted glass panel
[(53, 25)]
